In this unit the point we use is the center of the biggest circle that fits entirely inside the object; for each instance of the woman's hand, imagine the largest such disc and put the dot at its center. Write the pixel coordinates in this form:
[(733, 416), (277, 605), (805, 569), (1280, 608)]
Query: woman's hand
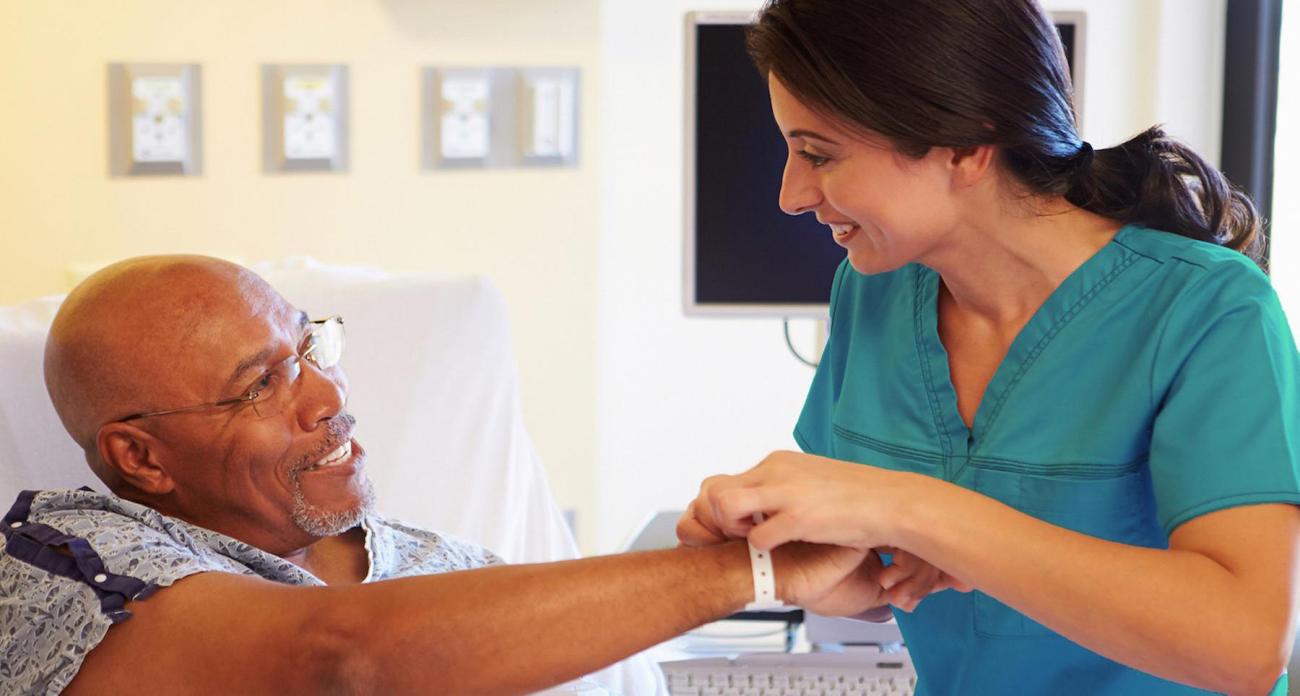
[(697, 526), (804, 498), (903, 584)]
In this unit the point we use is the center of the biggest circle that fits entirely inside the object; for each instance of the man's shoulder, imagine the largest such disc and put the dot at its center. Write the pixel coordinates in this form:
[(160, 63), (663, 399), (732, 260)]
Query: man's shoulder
[(71, 562), (66, 538)]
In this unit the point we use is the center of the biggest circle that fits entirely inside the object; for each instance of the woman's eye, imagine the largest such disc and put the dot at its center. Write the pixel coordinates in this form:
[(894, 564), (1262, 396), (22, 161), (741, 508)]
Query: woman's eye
[(814, 160)]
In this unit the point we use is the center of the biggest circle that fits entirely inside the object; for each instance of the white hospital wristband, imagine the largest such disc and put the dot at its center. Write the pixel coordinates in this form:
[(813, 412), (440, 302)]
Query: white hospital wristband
[(760, 562)]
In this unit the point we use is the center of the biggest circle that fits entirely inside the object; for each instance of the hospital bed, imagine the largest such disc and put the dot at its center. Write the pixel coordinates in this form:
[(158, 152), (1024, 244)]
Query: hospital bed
[(434, 391)]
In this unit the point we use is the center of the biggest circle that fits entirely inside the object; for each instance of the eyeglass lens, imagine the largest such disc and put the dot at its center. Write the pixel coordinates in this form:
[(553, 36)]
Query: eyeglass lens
[(323, 346)]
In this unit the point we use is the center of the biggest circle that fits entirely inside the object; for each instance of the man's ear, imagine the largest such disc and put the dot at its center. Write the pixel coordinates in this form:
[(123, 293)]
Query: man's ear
[(971, 164), (131, 453)]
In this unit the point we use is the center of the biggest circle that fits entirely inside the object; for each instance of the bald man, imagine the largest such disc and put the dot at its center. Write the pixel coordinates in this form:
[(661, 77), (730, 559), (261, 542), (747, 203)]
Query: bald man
[(240, 541)]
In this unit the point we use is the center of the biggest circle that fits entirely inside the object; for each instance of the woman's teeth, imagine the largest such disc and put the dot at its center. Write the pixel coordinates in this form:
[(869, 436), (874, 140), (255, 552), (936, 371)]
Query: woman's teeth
[(843, 230), (339, 455)]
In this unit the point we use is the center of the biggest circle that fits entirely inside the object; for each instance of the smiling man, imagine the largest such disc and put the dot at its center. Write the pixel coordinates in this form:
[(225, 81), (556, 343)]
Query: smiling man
[(240, 539)]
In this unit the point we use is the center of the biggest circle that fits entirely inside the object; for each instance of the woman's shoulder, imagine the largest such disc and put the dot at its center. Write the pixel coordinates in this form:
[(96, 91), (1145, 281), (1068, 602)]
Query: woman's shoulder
[(1190, 257), (1199, 276), (1204, 289)]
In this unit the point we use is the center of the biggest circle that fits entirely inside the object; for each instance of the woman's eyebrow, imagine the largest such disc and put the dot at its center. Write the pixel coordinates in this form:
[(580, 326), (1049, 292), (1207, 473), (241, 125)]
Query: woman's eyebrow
[(804, 133)]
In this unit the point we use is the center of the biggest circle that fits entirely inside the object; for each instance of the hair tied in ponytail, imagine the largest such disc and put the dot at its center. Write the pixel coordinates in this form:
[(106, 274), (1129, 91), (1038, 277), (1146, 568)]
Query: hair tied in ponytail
[(1083, 159)]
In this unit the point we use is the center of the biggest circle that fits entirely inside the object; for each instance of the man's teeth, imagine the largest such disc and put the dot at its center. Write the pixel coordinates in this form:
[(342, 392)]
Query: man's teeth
[(338, 455)]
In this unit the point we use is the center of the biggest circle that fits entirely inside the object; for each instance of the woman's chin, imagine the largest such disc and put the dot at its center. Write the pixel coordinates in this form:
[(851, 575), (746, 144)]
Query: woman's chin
[(868, 263)]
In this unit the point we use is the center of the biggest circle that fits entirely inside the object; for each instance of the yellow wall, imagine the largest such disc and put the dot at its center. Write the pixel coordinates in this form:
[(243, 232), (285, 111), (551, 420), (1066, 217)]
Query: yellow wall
[(532, 231)]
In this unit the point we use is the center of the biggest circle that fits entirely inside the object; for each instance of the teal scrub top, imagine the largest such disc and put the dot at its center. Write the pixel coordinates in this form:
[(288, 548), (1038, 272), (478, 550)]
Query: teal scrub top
[(1159, 382)]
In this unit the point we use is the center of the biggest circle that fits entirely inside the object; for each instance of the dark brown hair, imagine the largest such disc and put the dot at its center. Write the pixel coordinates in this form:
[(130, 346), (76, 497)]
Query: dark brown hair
[(962, 73)]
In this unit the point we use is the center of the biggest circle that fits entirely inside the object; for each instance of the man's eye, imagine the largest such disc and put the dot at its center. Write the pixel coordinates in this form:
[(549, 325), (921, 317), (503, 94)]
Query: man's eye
[(266, 381), (814, 160)]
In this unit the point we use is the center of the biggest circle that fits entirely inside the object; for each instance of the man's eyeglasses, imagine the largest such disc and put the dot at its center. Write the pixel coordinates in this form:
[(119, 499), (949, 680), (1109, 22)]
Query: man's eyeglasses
[(272, 391)]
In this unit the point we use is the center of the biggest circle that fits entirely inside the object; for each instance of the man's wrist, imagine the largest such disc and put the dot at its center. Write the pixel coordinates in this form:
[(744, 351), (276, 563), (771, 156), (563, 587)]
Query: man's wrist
[(732, 559)]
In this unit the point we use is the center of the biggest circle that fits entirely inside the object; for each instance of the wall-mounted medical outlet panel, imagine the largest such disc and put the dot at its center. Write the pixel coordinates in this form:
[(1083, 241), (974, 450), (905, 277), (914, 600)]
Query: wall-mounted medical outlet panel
[(154, 119), (499, 117), (548, 116), (304, 118), (467, 117)]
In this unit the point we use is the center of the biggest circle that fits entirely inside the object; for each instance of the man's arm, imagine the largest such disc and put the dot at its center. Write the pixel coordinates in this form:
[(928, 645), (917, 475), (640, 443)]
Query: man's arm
[(504, 629)]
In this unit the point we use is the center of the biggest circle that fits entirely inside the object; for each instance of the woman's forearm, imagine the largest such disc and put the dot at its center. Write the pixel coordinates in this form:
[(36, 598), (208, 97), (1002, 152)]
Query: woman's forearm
[(1177, 614)]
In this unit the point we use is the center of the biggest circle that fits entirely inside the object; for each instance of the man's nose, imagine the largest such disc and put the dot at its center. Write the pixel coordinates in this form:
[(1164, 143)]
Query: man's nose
[(799, 192), (322, 394)]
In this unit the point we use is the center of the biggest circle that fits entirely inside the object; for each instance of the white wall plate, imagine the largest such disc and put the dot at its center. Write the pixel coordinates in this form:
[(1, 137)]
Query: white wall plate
[(304, 118), (154, 119), (474, 117), (467, 117), (548, 116)]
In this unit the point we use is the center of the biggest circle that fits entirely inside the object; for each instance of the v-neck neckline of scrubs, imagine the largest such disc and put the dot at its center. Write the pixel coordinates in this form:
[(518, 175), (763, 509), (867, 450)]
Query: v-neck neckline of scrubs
[(1060, 307)]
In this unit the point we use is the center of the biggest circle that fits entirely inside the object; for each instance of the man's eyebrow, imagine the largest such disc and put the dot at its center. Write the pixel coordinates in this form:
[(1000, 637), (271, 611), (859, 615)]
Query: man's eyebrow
[(247, 364), (260, 357), (803, 133)]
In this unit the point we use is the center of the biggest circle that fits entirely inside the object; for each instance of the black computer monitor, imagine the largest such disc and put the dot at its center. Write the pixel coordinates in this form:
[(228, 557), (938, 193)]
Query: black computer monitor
[(743, 256)]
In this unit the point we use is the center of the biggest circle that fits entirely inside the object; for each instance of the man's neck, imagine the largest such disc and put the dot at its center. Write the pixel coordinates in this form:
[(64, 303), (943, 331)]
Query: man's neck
[(336, 560)]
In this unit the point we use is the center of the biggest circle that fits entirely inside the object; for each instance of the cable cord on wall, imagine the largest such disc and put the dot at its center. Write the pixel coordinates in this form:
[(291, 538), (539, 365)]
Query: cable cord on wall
[(785, 323)]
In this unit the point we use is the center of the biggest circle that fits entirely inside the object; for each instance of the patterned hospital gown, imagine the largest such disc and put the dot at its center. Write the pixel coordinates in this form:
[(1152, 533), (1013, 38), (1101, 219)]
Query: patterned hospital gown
[(55, 607)]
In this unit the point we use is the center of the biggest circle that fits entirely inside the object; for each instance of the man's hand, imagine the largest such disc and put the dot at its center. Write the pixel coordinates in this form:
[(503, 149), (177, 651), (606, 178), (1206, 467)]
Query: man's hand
[(909, 579), (829, 580)]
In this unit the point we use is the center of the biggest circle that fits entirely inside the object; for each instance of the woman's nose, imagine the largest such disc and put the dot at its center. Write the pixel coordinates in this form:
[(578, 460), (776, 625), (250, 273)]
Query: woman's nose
[(799, 194)]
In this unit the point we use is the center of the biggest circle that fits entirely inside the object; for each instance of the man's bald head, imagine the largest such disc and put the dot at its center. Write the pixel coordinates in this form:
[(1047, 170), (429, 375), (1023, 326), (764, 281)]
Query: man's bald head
[(122, 338)]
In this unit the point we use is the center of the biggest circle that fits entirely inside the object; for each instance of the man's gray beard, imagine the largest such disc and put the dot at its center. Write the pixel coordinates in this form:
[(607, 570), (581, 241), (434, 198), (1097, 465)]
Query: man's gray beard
[(320, 522)]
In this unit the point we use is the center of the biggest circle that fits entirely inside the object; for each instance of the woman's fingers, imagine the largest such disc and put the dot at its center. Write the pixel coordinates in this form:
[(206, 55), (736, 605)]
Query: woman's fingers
[(691, 532), (779, 529), (698, 525), (735, 508)]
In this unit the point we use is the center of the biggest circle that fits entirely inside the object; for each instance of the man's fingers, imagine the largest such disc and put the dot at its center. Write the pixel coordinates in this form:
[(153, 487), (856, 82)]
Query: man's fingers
[(948, 582), (908, 593), (892, 575)]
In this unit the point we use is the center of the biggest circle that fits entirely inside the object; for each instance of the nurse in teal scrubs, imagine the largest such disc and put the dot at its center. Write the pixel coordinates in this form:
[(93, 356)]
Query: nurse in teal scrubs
[(1055, 378)]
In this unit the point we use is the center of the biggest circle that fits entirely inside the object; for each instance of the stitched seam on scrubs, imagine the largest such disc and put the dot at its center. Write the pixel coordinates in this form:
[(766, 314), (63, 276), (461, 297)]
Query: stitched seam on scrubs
[(886, 448), (917, 331), (1078, 470), (1206, 507), (1051, 334)]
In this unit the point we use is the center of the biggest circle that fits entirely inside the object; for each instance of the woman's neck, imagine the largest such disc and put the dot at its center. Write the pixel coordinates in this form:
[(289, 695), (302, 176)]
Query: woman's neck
[(1001, 269)]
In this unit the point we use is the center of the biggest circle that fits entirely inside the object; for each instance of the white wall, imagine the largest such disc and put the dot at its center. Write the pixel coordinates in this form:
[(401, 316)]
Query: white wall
[(678, 399), (1286, 177)]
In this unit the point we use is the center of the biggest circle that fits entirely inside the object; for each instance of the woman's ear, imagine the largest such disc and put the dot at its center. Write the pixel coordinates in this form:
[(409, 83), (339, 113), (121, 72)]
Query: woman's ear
[(130, 453), (970, 165)]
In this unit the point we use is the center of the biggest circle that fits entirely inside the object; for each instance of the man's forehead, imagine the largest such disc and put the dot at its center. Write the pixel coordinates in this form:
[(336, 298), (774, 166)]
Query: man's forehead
[(238, 334)]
